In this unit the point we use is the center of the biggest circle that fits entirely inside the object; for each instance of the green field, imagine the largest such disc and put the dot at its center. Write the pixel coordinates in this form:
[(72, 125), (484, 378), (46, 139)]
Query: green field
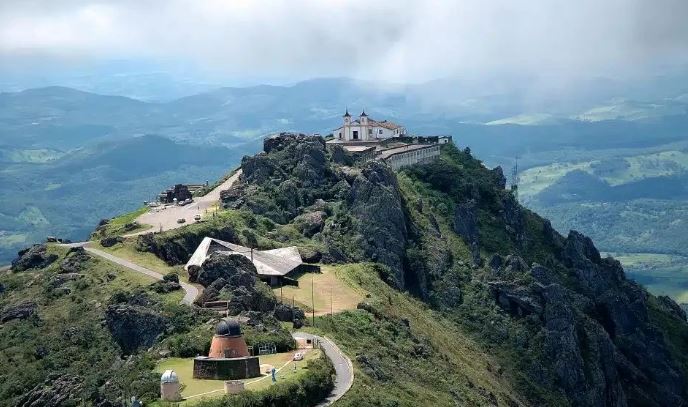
[(194, 390), (332, 292)]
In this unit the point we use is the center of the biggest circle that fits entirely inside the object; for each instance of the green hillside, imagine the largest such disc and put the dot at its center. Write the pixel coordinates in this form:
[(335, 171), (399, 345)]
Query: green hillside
[(471, 298)]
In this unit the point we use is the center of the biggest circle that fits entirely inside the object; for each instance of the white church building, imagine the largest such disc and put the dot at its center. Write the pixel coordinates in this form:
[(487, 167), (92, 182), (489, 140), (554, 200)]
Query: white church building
[(366, 129)]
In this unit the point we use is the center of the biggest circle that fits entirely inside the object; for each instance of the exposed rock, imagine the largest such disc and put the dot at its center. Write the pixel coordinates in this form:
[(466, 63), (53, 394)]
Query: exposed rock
[(134, 327), (372, 367), (34, 257), (55, 391), (235, 268), (110, 241), (496, 262), (500, 179), (20, 311), (515, 299), (310, 223), (75, 260), (260, 169), (375, 202), (164, 287), (514, 219), (340, 156), (671, 307), (62, 278), (466, 222), (286, 313), (310, 255)]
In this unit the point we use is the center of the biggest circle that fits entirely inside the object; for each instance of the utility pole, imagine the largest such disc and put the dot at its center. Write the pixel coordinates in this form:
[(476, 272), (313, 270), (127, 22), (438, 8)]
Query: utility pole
[(312, 302), (331, 302), (281, 295)]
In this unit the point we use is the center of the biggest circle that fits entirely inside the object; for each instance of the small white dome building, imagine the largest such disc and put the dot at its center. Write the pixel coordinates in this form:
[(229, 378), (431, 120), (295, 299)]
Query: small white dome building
[(170, 388)]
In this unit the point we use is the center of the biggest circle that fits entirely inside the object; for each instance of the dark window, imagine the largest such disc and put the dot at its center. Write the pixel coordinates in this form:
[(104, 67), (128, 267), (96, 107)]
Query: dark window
[(355, 135)]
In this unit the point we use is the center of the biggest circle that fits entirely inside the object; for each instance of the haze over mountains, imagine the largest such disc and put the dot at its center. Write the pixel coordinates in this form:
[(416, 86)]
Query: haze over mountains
[(71, 157)]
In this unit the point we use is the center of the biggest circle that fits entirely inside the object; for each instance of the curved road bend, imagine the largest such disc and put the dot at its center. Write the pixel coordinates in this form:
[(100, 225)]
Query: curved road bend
[(342, 366), (190, 291)]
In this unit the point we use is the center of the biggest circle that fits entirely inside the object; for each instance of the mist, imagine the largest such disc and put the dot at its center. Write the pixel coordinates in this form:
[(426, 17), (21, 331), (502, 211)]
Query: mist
[(281, 41)]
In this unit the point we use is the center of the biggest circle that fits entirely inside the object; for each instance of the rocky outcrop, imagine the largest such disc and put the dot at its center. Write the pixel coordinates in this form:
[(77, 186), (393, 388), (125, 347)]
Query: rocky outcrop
[(34, 257), (375, 202), (75, 261), (287, 313), (169, 283), (514, 219), (593, 335), (110, 241), (466, 226), (671, 307), (55, 391), (19, 311), (133, 326), (310, 223), (236, 269)]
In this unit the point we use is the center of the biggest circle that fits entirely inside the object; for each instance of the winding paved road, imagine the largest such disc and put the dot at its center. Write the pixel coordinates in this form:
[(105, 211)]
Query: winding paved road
[(167, 220), (190, 291), (342, 366)]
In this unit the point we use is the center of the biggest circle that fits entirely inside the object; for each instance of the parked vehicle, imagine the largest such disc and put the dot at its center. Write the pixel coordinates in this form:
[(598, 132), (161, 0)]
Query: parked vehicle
[(197, 217), (181, 220), (298, 356)]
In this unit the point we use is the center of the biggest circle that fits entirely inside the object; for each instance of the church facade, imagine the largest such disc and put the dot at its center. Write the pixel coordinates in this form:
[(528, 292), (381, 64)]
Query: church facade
[(366, 129)]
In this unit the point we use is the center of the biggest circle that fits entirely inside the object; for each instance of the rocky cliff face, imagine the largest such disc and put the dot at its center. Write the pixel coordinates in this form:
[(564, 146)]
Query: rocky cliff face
[(584, 329), (565, 319)]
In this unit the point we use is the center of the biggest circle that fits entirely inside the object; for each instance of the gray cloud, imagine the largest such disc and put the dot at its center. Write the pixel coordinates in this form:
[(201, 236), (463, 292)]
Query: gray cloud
[(392, 40)]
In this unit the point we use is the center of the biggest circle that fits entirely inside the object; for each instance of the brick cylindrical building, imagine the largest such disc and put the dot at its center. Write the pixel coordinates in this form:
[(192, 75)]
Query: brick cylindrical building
[(228, 341)]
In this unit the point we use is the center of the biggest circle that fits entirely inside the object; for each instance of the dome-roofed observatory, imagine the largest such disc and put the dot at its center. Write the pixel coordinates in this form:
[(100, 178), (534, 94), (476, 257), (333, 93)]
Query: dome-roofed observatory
[(228, 328)]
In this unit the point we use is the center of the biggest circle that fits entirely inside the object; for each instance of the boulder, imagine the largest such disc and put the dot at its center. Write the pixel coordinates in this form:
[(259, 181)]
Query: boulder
[(75, 260), (55, 391), (134, 327), (110, 241), (235, 268), (20, 311), (310, 255), (287, 313), (310, 223), (34, 257)]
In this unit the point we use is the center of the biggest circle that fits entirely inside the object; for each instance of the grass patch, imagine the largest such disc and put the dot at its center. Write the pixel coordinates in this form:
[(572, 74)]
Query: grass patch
[(332, 291)]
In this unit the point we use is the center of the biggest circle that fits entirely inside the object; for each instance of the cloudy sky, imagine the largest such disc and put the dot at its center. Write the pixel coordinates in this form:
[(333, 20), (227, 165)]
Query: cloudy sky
[(394, 40)]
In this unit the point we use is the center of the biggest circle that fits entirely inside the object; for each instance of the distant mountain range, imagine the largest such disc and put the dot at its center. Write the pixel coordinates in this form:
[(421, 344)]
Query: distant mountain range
[(66, 152)]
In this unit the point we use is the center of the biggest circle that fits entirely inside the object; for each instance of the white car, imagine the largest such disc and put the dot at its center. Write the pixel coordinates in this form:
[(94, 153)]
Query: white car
[(298, 356)]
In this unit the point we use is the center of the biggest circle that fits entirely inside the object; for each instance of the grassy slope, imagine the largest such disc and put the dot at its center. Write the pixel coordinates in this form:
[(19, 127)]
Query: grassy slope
[(432, 360), (67, 335)]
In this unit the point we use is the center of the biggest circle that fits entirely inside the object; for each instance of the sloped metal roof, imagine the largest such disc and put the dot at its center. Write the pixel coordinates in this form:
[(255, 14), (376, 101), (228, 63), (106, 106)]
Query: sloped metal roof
[(274, 262)]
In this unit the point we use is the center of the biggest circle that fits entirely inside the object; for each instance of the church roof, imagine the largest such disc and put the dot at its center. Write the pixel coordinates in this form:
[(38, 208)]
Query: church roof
[(347, 113), (364, 114)]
